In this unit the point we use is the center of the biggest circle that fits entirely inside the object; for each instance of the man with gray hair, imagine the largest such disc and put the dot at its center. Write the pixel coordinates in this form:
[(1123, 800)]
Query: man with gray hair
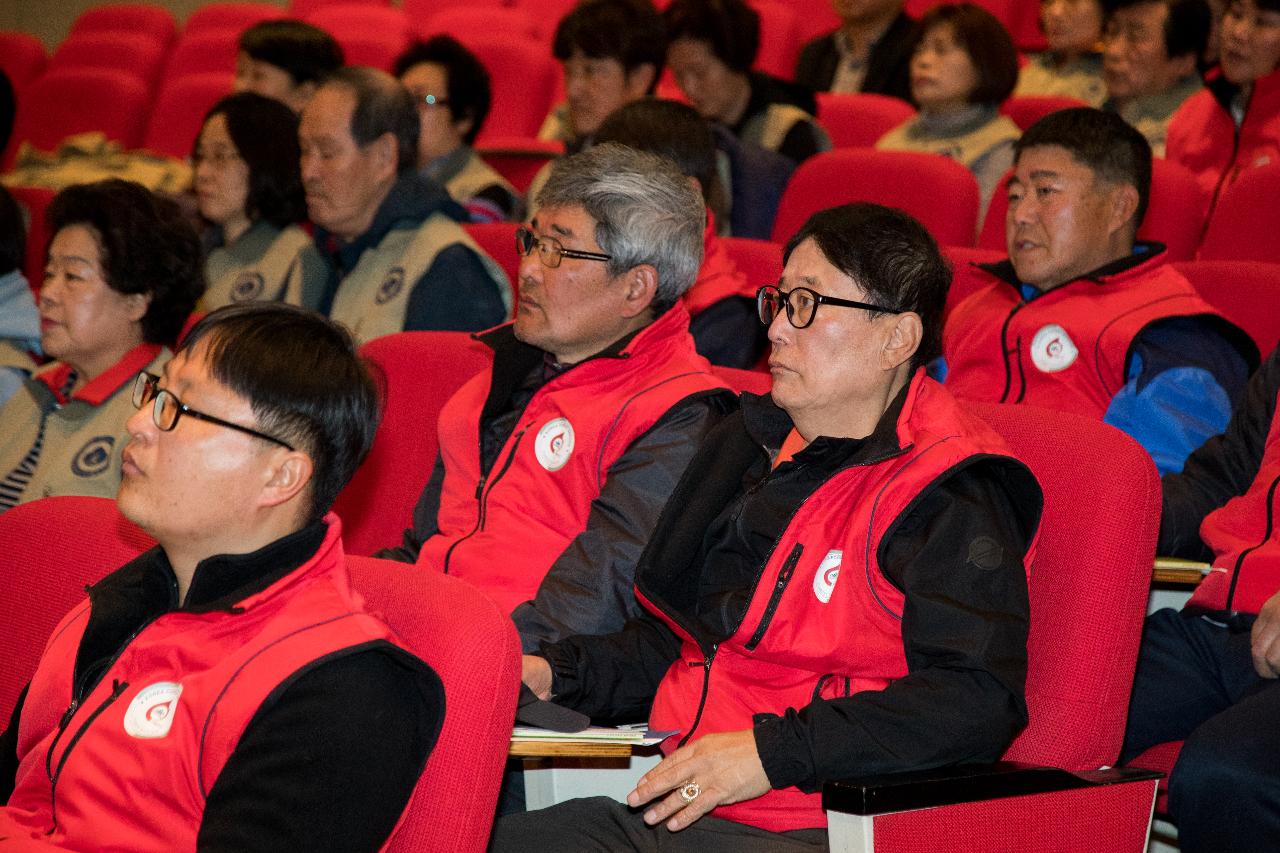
[(555, 461), (388, 248)]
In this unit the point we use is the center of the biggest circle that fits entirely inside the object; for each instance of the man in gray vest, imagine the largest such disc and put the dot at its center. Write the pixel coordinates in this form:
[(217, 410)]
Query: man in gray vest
[(388, 250)]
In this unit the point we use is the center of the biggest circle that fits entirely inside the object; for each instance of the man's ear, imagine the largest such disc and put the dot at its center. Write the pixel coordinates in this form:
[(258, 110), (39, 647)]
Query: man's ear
[(640, 285), (903, 339), (386, 151), (641, 79), (289, 474), (1123, 204), (137, 304)]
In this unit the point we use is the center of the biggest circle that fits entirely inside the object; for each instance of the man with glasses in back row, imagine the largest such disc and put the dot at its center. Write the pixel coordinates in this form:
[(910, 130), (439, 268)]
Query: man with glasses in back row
[(555, 461)]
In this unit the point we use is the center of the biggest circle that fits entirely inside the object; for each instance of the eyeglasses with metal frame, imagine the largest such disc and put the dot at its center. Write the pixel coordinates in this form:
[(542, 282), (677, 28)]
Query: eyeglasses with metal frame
[(802, 305), (167, 409), (549, 249)]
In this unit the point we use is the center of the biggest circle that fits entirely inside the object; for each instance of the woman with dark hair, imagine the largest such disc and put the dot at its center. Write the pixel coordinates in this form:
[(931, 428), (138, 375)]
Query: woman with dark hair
[(711, 45), (123, 274), (19, 321), (1072, 66), (249, 191), (962, 66)]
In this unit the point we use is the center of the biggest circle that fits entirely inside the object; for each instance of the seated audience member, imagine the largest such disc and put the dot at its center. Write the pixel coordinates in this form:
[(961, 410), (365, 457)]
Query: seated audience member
[(962, 68), (196, 725), (554, 462), (871, 52), (450, 88), (249, 191), (1083, 318), (123, 275), (912, 657), (1207, 673), (1234, 123), (388, 251), (286, 60), (19, 319), (611, 52), (1149, 61), (1072, 66), (711, 45), (722, 298)]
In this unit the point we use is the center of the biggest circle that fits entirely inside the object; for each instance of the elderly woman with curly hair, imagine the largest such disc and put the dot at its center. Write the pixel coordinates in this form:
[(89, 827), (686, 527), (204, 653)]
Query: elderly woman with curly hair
[(122, 276)]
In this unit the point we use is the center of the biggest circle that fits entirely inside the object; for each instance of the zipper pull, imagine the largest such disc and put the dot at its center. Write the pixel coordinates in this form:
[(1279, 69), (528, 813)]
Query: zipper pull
[(69, 713), (480, 486)]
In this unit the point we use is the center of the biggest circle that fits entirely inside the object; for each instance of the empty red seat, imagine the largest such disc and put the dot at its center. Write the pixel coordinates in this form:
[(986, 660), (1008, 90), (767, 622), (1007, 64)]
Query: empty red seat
[(303, 8), (518, 159), (22, 58), (523, 77), (1245, 221), (471, 23), (376, 50), (140, 55), (1246, 292), (939, 192), (137, 18), (1026, 110), (858, 120), (179, 111), (61, 103), (343, 19), (205, 52), (230, 16)]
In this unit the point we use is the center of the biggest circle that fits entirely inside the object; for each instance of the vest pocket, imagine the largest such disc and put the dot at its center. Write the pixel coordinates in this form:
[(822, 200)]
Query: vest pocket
[(784, 577)]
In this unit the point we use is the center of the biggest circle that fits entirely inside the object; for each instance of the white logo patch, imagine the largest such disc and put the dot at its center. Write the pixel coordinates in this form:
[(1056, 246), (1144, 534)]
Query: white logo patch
[(151, 712), (824, 580), (1052, 349), (554, 444)]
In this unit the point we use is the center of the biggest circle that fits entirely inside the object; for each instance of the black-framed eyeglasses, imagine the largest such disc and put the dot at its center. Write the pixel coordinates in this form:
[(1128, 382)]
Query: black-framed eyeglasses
[(549, 249), (166, 409), (801, 304)]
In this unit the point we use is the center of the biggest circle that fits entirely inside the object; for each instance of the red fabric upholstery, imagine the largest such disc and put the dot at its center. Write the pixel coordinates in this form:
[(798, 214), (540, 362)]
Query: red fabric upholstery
[(1026, 110), (1175, 213), (421, 371), (179, 111), (138, 18), (303, 8), (518, 158), (753, 381), (139, 55), (374, 49), (1247, 292), (523, 77), (471, 23), (35, 200), (1160, 757), (22, 58), (343, 19), (498, 239), (474, 649), (859, 120), (1245, 221), (44, 570), (779, 39), (61, 103), (960, 257), (759, 260), (230, 16), (939, 192), (211, 50)]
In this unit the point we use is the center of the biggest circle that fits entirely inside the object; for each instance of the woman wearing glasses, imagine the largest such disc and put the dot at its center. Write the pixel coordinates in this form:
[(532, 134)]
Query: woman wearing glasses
[(122, 276), (836, 588), (249, 191)]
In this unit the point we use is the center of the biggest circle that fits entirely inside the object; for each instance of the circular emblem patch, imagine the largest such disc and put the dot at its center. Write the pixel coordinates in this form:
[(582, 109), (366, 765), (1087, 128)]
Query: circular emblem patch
[(1052, 349), (824, 580), (247, 287), (390, 287), (554, 444), (151, 713), (95, 457)]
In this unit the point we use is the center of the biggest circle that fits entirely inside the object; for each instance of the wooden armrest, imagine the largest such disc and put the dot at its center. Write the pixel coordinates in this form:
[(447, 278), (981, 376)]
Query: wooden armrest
[(968, 783), (1175, 572)]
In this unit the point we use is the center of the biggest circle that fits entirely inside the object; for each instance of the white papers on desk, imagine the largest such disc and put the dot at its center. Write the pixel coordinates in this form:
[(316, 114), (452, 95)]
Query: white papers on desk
[(638, 734)]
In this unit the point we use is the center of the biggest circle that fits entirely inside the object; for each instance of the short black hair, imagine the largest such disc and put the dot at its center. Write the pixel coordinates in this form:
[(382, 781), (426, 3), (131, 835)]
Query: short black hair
[(382, 106), (889, 255), (265, 134), (304, 380), (13, 234), (1186, 27), (989, 45), (147, 246), (627, 31), (669, 129), (1102, 142), (730, 28), (307, 54), (467, 80)]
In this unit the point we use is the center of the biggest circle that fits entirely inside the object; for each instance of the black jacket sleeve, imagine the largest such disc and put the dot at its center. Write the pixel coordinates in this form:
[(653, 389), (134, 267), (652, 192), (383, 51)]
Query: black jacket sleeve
[(426, 515), (9, 749), (729, 333), (454, 294), (958, 556), (331, 763), (1220, 469)]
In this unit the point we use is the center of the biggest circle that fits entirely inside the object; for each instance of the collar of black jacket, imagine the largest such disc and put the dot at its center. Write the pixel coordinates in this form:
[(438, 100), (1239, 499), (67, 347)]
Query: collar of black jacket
[(411, 199), (1145, 252)]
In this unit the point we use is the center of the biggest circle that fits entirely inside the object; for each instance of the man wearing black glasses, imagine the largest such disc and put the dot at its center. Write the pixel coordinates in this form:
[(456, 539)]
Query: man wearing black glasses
[(226, 690), (554, 463)]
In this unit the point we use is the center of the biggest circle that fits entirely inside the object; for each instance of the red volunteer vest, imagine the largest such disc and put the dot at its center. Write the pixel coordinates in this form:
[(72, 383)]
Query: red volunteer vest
[(1065, 350), (1203, 137), (1246, 548), (134, 762), (718, 277), (821, 587), (502, 532)]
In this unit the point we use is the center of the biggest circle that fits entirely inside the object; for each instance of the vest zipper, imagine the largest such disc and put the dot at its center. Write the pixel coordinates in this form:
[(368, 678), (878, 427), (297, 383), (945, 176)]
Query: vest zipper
[(709, 658), (1231, 166), (1004, 353), (784, 577), (482, 496), (117, 688), (1266, 535)]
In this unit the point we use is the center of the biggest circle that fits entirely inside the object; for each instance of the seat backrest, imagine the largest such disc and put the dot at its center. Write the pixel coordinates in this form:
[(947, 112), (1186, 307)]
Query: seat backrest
[(474, 649), (209, 51), (859, 119), (230, 16), (1088, 583), (779, 39), (303, 8), (518, 158), (372, 48), (61, 103), (960, 257), (939, 192), (814, 18), (421, 370), (471, 23), (498, 240), (179, 111), (342, 19), (753, 381), (140, 55), (1026, 110), (35, 200), (138, 18), (45, 565), (1244, 222), (759, 260), (22, 58), (1246, 292), (522, 75)]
